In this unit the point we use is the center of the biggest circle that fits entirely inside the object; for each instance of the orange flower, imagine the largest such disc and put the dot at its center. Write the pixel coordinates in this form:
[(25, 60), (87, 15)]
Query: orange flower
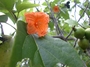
[(37, 22), (56, 9)]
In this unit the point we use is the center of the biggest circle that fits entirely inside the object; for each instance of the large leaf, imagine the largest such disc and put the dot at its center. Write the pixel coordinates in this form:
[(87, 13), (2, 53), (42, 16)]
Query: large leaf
[(7, 4), (37, 59), (25, 5), (29, 50), (19, 40), (54, 51)]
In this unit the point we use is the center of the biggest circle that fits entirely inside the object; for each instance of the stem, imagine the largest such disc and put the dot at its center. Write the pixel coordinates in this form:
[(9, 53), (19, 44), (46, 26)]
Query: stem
[(2, 32), (69, 34), (58, 36), (36, 7), (13, 15), (75, 43), (11, 26), (75, 9)]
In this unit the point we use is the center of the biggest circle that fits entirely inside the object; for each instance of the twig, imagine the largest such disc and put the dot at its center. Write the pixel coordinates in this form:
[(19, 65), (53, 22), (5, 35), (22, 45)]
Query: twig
[(82, 15), (75, 8), (89, 20), (11, 26), (58, 36), (69, 34), (13, 15), (88, 17), (75, 43), (86, 12), (54, 20), (2, 32), (36, 7)]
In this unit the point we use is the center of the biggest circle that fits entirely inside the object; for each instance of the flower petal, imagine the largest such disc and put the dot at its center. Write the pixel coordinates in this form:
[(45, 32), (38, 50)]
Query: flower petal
[(31, 28), (44, 18), (56, 9), (37, 23), (30, 17), (42, 30)]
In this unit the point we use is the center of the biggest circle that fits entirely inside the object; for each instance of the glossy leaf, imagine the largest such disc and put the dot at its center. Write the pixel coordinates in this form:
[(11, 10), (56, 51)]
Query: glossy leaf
[(29, 48), (54, 51), (38, 59), (19, 40), (3, 18), (25, 5)]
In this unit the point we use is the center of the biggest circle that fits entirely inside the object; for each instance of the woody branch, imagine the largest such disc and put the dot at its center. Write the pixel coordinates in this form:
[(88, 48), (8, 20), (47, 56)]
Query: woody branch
[(58, 30)]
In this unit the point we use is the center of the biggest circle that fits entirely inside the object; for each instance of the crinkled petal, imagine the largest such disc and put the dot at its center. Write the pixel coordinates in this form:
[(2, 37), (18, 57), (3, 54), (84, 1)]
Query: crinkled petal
[(31, 28), (30, 17), (37, 23), (42, 30), (42, 17)]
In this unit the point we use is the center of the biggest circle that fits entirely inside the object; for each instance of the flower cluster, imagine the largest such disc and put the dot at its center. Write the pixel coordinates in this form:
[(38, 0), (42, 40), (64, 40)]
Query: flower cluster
[(37, 23)]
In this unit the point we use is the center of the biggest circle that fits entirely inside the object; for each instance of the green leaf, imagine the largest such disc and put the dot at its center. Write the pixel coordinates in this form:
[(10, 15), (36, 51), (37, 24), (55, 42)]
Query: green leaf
[(3, 18), (29, 48), (77, 1), (37, 59), (5, 52), (7, 4), (81, 12), (85, 24), (19, 40), (12, 16), (25, 5), (51, 25), (71, 22), (66, 28), (54, 51), (88, 12), (64, 13), (44, 4), (85, 3)]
